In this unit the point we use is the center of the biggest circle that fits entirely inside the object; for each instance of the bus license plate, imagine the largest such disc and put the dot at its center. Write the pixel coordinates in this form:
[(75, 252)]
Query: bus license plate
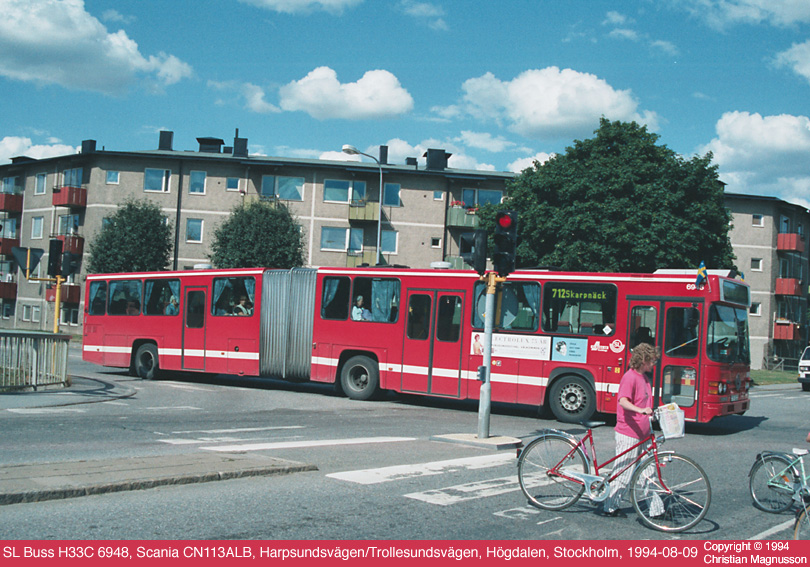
[(735, 398)]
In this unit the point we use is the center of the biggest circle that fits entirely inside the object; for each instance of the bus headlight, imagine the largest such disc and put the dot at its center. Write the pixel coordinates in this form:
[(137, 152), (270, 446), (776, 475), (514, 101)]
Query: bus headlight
[(718, 388)]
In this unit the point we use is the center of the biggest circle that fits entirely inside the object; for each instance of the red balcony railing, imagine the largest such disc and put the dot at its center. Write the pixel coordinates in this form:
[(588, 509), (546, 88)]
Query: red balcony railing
[(11, 203), (785, 331), (71, 243), (788, 286), (70, 197), (6, 244), (790, 242), (8, 290), (71, 293)]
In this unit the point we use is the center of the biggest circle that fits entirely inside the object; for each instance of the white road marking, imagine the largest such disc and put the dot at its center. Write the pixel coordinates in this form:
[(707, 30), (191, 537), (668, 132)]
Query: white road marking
[(402, 472), (774, 530), (470, 491), (33, 411), (239, 429), (303, 444)]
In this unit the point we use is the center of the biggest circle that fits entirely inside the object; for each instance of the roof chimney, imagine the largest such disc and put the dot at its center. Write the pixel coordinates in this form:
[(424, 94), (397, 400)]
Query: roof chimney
[(437, 159), (210, 145), (411, 161), (88, 146), (166, 139), (383, 155)]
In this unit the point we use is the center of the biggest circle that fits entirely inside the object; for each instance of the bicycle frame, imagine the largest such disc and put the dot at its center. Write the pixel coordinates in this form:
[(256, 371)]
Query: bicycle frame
[(796, 465), (595, 483)]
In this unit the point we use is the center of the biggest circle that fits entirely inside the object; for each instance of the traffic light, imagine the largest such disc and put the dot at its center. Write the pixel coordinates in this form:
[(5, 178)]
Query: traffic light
[(503, 258), (54, 257), (474, 250), (70, 264)]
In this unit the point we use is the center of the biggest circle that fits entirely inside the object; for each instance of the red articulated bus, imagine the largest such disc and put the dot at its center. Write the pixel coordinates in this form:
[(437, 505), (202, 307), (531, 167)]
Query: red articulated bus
[(561, 341)]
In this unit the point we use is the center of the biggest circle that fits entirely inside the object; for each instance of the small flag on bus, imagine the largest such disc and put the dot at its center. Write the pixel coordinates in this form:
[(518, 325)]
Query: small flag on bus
[(701, 274)]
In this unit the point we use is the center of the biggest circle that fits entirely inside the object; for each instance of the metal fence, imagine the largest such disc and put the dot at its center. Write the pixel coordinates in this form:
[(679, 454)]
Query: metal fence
[(29, 360)]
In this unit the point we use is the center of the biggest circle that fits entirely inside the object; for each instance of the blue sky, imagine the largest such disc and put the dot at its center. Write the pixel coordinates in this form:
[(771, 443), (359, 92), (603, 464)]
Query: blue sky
[(497, 84)]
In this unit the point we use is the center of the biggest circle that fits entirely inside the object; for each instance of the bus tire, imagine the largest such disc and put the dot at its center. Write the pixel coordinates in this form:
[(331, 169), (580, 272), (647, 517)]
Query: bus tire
[(146, 362), (360, 378), (572, 399)]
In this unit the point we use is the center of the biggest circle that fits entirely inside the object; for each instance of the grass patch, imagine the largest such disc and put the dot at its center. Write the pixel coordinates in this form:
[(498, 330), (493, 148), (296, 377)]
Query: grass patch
[(764, 377)]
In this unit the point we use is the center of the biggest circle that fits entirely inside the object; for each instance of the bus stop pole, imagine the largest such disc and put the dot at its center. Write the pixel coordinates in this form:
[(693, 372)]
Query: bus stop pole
[(485, 396)]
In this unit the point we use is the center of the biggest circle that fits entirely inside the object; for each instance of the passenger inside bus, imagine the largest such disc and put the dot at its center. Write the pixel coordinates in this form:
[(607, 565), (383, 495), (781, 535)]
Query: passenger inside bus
[(244, 307), (359, 312)]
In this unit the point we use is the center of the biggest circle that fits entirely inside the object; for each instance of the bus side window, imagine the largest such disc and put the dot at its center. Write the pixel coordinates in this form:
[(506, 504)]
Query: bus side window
[(98, 298), (195, 309), (418, 316), (448, 325), (335, 298)]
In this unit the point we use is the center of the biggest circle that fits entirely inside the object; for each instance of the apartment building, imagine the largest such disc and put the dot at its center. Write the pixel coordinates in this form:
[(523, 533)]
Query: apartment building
[(769, 237), (337, 203)]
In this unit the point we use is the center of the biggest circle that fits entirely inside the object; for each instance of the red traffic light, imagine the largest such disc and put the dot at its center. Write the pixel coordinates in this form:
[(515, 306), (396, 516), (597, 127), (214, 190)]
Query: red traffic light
[(504, 220)]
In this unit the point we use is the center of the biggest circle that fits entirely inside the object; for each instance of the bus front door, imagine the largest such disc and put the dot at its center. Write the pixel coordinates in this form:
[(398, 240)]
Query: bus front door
[(431, 354), (193, 357), (673, 327)]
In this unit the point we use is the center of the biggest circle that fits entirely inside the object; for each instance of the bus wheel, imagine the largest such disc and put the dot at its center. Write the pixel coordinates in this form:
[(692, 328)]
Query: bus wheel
[(146, 362), (360, 378), (572, 399)]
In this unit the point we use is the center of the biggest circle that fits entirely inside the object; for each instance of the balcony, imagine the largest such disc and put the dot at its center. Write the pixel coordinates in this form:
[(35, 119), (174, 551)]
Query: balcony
[(788, 286), (71, 243), (364, 211), (11, 202), (785, 330), (459, 217), (6, 244), (355, 259), (70, 197), (8, 290), (71, 293), (790, 242)]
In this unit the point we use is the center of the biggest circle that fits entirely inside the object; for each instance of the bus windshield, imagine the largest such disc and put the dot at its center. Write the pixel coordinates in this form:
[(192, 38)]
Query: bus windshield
[(728, 335)]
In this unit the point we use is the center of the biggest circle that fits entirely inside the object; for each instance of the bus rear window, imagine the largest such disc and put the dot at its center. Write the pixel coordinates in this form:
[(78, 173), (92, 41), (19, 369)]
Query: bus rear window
[(579, 308), (97, 300)]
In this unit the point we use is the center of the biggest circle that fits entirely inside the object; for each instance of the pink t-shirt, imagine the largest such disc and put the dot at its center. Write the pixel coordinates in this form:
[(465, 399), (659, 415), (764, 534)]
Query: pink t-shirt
[(635, 387)]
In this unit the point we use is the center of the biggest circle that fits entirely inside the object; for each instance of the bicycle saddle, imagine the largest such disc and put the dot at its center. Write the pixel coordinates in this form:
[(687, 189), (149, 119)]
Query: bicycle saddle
[(591, 424), (799, 452)]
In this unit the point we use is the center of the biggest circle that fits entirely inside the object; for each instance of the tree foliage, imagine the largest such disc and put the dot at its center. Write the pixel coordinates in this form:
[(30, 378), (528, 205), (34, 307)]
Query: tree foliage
[(136, 238), (258, 234), (620, 202)]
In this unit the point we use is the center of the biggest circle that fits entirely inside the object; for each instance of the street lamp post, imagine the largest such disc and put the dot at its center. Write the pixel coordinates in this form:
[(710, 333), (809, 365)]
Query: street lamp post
[(351, 150)]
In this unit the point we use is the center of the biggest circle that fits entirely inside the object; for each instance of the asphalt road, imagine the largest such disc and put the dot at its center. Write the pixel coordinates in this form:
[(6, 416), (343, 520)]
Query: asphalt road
[(377, 468)]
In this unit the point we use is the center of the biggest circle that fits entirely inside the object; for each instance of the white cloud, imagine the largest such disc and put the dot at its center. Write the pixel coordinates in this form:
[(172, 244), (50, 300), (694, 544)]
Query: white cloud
[(61, 43), (614, 19), (797, 58), (432, 13), (765, 155), (15, 146), (378, 94), (551, 102), (721, 13), (520, 164), (667, 47), (254, 97), (485, 141), (303, 6), (620, 33)]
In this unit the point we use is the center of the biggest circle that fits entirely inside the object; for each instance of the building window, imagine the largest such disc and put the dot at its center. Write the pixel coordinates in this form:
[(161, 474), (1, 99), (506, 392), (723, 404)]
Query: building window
[(388, 241), (334, 239), (232, 184), (196, 184), (112, 178), (8, 185), (31, 313), (36, 227), (8, 227), (156, 180), (438, 195), (756, 264), (338, 191), (69, 316), (194, 230), (435, 242), (355, 241), (755, 309), (757, 220), (283, 188), (480, 197), (72, 177), (784, 225), (391, 196), (8, 309), (41, 184), (69, 224)]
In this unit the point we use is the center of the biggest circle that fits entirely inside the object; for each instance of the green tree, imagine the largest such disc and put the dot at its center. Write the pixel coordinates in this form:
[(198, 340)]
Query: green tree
[(136, 238), (258, 234), (620, 202)]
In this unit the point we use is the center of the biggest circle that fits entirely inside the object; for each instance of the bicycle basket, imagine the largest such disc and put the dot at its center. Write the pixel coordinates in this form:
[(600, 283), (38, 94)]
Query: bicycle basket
[(670, 417)]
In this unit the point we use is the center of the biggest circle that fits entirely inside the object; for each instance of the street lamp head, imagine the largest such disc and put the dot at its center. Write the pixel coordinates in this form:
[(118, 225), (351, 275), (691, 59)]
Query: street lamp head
[(351, 150)]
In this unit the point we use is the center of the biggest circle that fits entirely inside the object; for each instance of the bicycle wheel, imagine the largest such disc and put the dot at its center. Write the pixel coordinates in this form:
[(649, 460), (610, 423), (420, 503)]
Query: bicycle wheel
[(672, 497), (544, 490), (802, 528), (771, 483)]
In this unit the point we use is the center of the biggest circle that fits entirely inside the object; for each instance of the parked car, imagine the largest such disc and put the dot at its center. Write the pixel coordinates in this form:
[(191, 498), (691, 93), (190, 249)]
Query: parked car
[(804, 370)]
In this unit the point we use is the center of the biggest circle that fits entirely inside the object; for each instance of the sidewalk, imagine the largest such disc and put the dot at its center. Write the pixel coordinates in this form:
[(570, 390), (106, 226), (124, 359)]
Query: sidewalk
[(70, 479)]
